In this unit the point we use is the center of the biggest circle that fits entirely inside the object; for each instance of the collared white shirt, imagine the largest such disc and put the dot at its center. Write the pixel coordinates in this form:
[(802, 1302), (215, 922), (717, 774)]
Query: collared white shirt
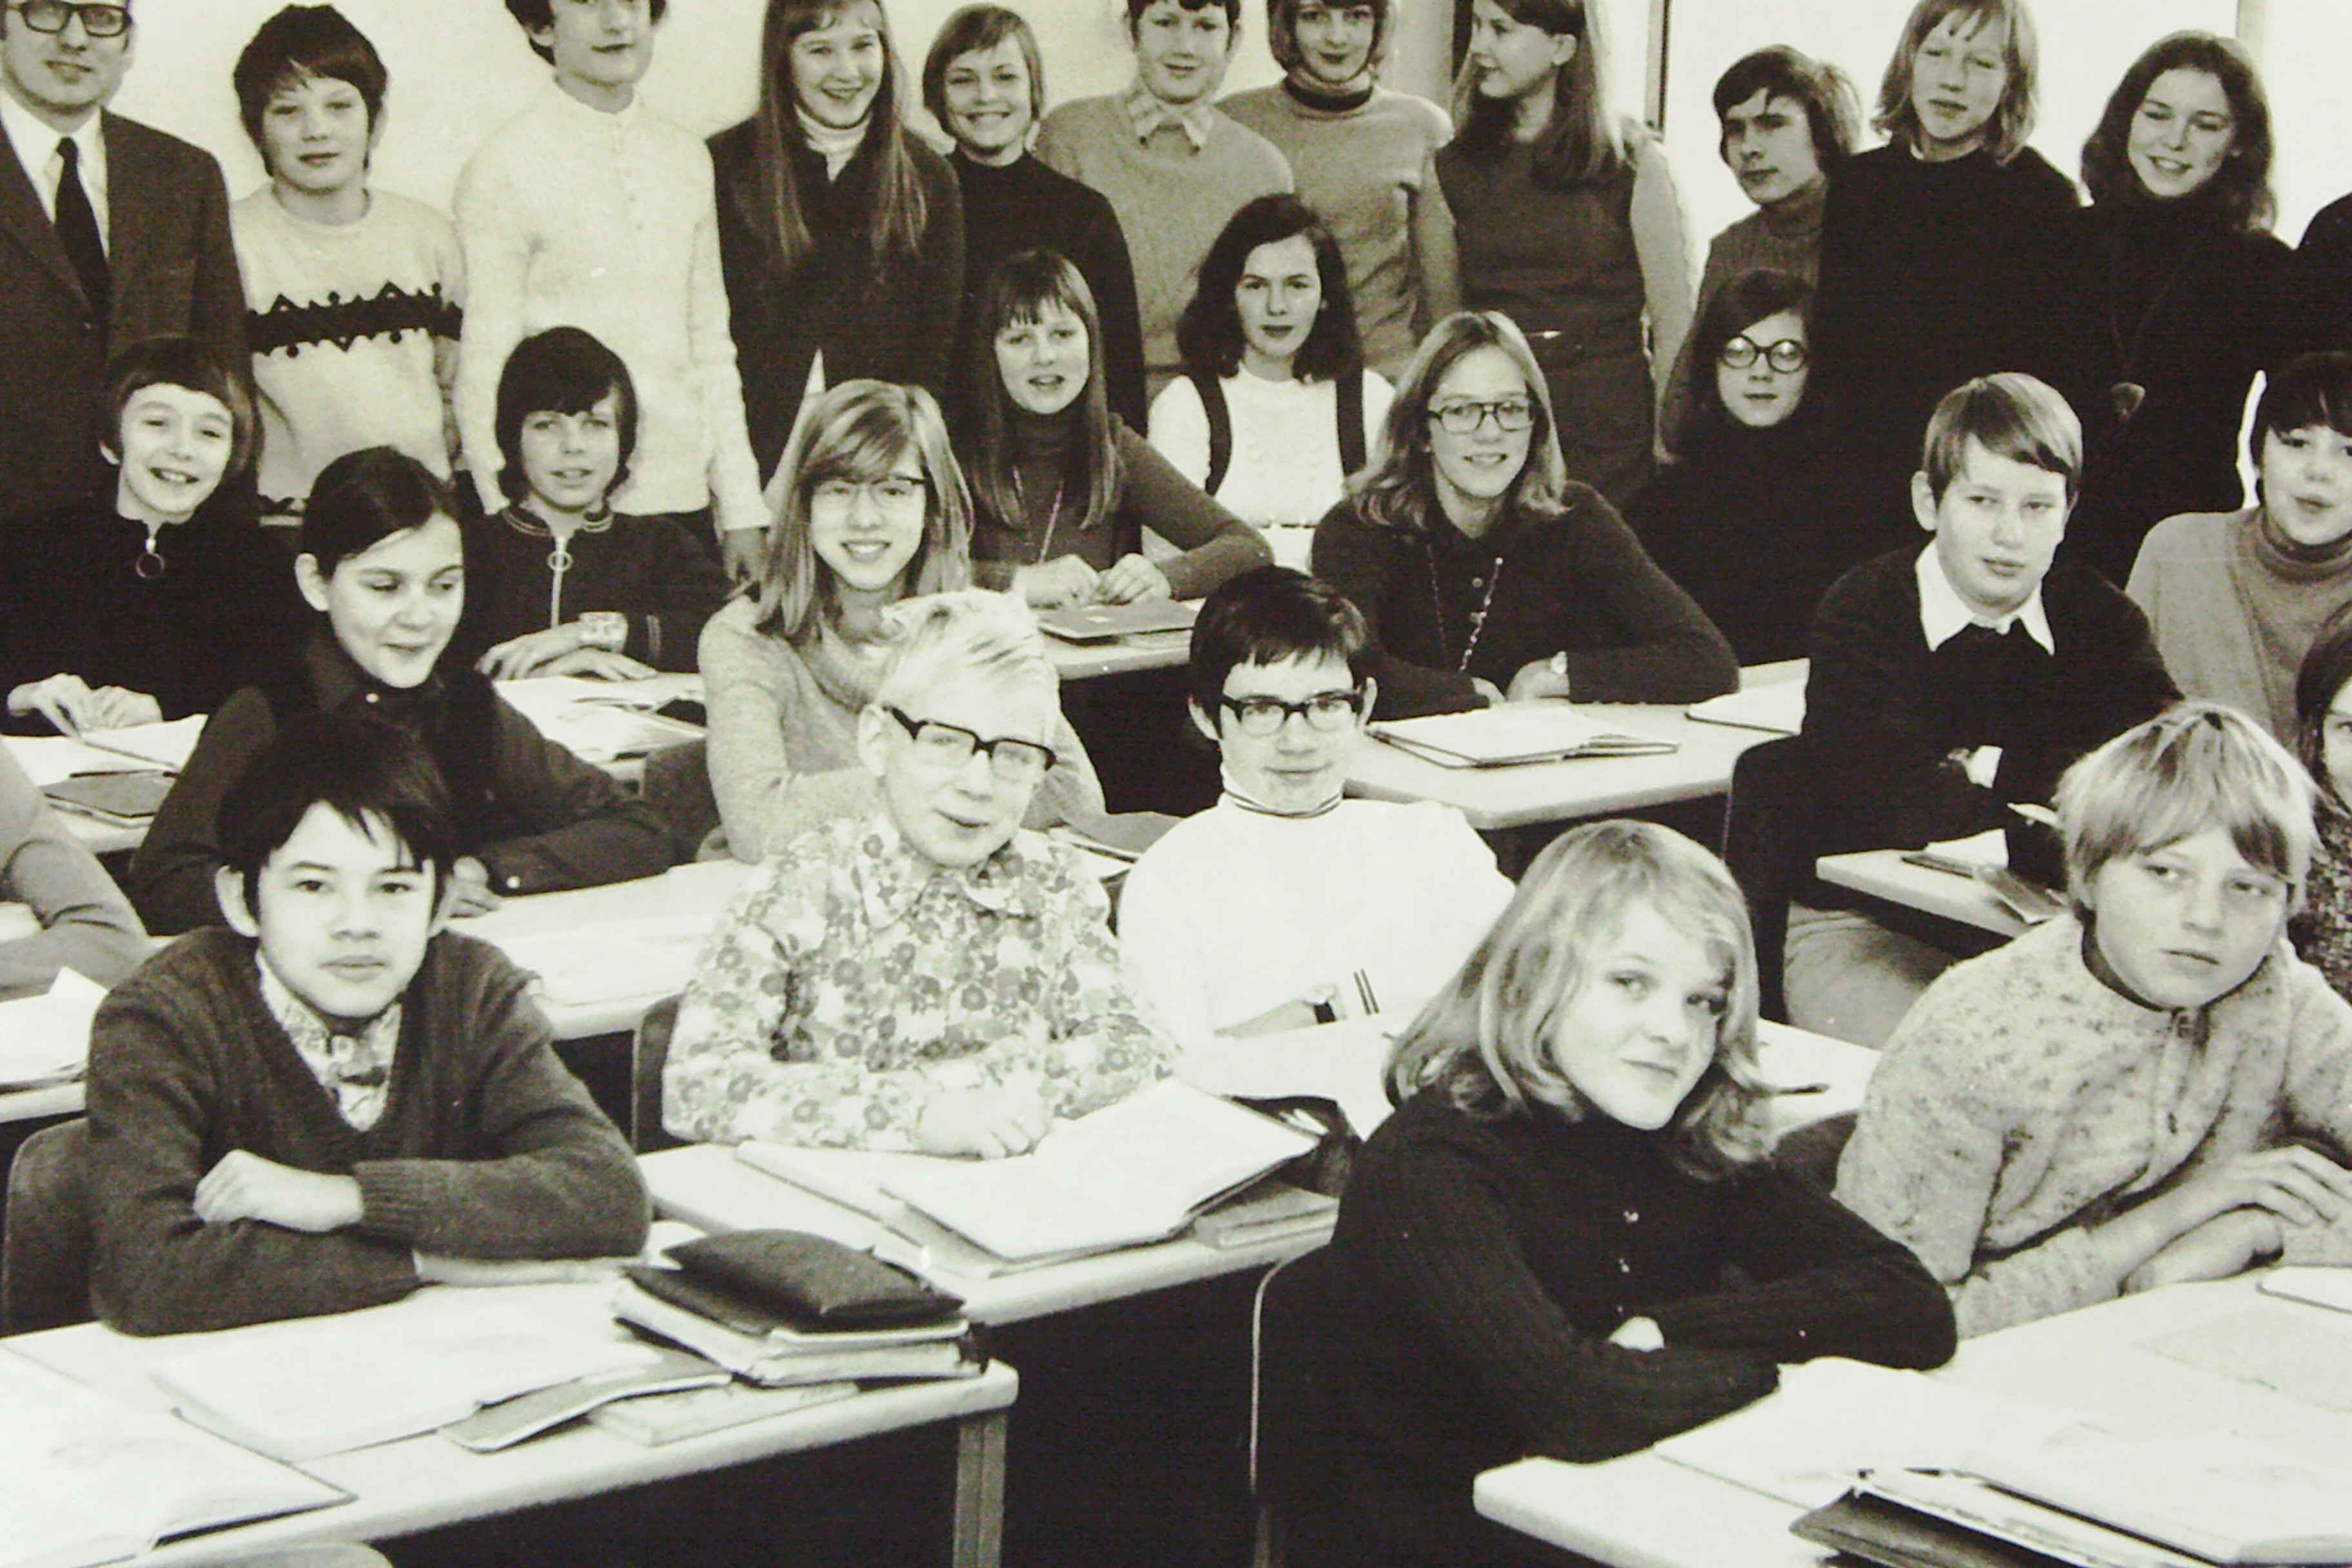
[(1147, 115), (1943, 613), (36, 149)]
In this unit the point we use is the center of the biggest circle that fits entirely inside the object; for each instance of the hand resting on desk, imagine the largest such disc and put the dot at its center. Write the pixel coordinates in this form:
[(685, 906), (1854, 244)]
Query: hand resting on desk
[(991, 1123), (2292, 1185)]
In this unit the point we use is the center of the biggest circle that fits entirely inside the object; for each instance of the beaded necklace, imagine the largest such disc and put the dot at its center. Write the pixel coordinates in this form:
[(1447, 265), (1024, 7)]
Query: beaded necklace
[(1052, 514), (1477, 617)]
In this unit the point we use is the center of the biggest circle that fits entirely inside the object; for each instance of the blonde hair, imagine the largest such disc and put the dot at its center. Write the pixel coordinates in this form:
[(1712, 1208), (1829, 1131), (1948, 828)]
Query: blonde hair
[(1585, 139), (1398, 487), (2012, 119), (2195, 766), (966, 631), (1485, 1040), (2010, 415), (858, 431)]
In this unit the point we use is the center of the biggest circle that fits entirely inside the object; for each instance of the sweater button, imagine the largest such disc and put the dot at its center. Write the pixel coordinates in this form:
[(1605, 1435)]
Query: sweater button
[(1633, 1216), (1623, 1267)]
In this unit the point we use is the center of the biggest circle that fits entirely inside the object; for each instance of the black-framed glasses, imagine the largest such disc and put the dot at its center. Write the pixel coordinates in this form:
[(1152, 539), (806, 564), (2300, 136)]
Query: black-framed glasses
[(1788, 356), (1463, 415), (51, 16), (1330, 711), (952, 745)]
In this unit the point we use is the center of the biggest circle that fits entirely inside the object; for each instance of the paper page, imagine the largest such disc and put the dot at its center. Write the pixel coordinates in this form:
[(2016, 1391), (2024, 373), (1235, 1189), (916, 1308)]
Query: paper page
[(1516, 729), (51, 759), (46, 1039), (85, 1478), (600, 720), (1778, 707), (2281, 1350), (1986, 848), (613, 961), (164, 745), (1344, 1062), (2321, 1287), (1834, 1418)]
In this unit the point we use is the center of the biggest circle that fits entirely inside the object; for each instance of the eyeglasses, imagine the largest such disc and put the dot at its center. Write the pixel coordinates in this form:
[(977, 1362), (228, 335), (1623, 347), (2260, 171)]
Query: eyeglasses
[(1788, 356), (1463, 416), (891, 492), (51, 16), (949, 746), (1328, 712)]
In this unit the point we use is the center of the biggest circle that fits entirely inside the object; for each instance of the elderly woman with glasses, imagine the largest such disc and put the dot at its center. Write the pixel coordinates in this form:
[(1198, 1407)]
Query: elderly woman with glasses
[(1486, 574)]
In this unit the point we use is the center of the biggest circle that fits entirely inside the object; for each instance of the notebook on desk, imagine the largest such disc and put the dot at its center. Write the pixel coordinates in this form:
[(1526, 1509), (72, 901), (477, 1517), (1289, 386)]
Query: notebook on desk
[(1103, 623), (1513, 733), (126, 798)]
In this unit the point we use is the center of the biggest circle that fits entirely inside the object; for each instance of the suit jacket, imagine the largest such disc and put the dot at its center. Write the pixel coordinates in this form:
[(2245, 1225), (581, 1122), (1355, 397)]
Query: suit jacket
[(174, 271)]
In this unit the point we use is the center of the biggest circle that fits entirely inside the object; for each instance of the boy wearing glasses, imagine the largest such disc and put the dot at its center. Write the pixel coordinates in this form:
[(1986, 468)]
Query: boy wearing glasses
[(929, 977), (120, 231), (1283, 906)]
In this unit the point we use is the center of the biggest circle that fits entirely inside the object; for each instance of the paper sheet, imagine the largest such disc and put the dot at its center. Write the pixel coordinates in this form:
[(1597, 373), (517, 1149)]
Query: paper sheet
[(46, 1039)]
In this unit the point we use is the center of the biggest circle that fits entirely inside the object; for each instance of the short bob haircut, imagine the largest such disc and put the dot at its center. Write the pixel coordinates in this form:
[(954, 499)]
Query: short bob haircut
[(1282, 30), (535, 14), (306, 43), (1024, 287), (2309, 390), (1271, 614), (1209, 332), (1832, 109), (858, 431), (365, 497), (563, 370), (972, 29), (1586, 141), (184, 362), (2011, 416), (1397, 487), (371, 773), (936, 637), (1731, 311), (1231, 8), (2197, 765), (1485, 1041), (2241, 188), (2322, 676), (2012, 119)]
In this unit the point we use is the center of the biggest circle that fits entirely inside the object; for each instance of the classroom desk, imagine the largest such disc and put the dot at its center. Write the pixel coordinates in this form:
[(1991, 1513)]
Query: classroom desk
[(1885, 874), (1146, 650), (421, 1483), (1699, 765), (1646, 1512)]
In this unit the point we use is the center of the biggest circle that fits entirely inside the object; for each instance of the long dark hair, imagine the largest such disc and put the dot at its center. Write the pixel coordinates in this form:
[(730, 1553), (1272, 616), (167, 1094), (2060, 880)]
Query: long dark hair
[(1025, 285), (901, 216), (2241, 188), (1209, 333), (1584, 142)]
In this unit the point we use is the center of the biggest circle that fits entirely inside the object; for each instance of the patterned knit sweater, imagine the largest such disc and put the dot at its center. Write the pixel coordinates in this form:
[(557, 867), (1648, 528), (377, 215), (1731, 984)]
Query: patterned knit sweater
[(2022, 1102)]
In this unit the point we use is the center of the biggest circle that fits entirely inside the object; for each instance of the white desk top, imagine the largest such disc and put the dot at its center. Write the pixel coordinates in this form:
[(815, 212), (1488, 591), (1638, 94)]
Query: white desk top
[(1885, 874), (422, 1482), (1699, 765), (1645, 1511)]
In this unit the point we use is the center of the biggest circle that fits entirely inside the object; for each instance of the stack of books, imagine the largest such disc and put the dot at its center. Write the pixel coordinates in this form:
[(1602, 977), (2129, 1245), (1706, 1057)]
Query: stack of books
[(782, 1310)]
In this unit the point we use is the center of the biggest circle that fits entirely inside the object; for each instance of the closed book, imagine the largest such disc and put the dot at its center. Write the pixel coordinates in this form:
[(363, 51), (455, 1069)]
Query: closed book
[(1267, 1212), (761, 1362), (658, 1418), (730, 1309), (1928, 1519)]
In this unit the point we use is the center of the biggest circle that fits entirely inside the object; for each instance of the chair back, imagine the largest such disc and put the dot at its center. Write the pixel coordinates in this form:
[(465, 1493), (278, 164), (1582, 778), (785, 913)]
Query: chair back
[(1767, 843), (44, 1255), (1292, 1426), (1810, 1152), (648, 1054), (676, 787)]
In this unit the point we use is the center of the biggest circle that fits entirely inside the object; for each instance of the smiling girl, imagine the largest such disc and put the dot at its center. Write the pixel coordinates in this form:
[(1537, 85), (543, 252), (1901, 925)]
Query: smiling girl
[(1564, 1242), (872, 511), (145, 602), (1937, 248), (2181, 292), (841, 232), (382, 564), (2235, 598)]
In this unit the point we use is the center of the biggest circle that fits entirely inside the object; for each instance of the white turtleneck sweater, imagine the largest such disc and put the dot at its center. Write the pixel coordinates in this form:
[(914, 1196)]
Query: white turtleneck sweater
[(1235, 910)]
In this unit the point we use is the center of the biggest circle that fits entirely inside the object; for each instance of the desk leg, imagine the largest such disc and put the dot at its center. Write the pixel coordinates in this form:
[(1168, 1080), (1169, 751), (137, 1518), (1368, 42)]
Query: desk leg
[(979, 1530)]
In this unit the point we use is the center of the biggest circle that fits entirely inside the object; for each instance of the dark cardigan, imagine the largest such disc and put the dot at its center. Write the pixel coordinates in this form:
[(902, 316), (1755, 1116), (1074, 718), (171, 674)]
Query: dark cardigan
[(538, 817), (1575, 580), (1885, 715), (1024, 205), (488, 1147), (649, 569), (1479, 1266), (72, 602), (897, 323)]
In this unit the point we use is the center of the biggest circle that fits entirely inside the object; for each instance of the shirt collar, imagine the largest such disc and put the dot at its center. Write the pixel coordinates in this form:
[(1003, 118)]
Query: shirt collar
[(336, 679), (36, 142), (1148, 115), (624, 118), (1943, 613), (353, 1067), (893, 875)]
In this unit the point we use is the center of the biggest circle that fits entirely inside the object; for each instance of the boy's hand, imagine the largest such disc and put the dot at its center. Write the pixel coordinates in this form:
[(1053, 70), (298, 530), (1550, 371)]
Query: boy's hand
[(2217, 1249), (1133, 577), (528, 654), (1065, 580), (599, 664), (73, 705), (470, 889), (1008, 1119), (739, 550), (247, 1186)]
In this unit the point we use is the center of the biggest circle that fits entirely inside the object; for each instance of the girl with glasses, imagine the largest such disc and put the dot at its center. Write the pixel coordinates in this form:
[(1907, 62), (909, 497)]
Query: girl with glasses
[(1754, 475), (870, 510), (1486, 573)]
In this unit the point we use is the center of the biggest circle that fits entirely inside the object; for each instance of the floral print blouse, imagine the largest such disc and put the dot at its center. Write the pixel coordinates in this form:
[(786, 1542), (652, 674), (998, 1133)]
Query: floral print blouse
[(853, 978)]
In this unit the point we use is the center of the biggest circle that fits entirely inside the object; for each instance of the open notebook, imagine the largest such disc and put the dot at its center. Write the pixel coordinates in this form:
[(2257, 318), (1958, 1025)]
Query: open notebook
[(1515, 732)]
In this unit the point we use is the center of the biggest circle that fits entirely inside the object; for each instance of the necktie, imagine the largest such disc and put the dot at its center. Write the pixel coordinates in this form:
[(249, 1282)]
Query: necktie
[(78, 233)]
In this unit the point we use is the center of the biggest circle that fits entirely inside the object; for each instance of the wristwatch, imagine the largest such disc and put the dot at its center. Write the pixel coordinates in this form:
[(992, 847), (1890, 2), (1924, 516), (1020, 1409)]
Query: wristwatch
[(607, 629)]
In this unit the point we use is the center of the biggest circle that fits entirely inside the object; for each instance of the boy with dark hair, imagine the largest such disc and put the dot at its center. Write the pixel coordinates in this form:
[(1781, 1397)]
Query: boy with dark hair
[(1174, 167), (353, 296), (334, 1100), (587, 209), (1283, 905), (1949, 683)]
